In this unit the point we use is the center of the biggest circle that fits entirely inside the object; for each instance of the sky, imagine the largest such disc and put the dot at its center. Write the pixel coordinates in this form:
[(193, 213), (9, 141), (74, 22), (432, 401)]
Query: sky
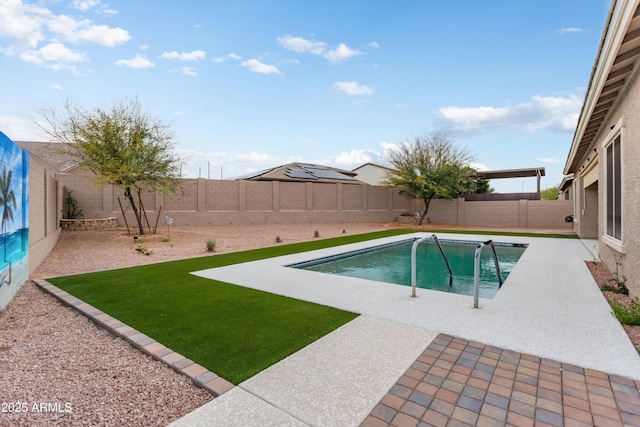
[(249, 85)]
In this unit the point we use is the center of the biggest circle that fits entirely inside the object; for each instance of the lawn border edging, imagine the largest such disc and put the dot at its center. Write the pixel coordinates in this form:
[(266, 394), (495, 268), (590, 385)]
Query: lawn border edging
[(199, 375)]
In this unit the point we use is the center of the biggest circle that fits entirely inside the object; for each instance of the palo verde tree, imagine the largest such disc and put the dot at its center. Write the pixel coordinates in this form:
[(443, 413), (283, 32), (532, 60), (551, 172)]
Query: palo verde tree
[(123, 146), (430, 167)]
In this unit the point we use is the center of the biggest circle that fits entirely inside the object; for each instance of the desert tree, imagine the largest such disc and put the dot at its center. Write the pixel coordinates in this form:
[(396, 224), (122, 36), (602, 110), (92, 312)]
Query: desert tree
[(123, 145), (429, 167)]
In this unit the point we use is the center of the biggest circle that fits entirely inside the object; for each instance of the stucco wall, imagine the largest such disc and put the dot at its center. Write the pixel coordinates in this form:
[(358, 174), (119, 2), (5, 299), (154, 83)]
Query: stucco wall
[(218, 202), (624, 260)]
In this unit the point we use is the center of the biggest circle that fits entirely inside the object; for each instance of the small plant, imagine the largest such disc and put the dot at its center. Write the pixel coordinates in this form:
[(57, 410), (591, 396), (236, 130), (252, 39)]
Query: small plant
[(211, 245), (619, 288), (344, 231), (629, 315), (278, 239), (165, 240), (619, 283), (144, 250), (316, 233), (72, 207), (168, 221)]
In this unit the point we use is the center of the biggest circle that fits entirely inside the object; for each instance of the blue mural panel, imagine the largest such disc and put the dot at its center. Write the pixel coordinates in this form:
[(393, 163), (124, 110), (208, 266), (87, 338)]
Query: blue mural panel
[(14, 218)]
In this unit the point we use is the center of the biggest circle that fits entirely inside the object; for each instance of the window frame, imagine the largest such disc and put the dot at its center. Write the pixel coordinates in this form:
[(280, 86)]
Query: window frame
[(616, 134)]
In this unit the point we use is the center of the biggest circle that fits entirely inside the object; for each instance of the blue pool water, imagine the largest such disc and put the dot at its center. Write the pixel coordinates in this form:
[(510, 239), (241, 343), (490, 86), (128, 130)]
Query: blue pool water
[(392, 264)]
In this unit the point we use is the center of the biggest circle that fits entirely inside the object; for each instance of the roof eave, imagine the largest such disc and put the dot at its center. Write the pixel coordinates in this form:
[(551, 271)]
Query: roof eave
[(620, 15)]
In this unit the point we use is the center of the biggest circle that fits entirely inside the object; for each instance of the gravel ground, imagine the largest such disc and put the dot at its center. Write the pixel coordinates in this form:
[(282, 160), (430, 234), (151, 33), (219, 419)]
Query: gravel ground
[(602, 276), (58, 368), (61, 369)]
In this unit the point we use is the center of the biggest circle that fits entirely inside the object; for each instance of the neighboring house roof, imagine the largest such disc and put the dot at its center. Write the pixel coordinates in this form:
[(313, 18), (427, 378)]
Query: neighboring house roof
[(302, 172), (567, 180), (374, 165), (54, 155), (617, 58)]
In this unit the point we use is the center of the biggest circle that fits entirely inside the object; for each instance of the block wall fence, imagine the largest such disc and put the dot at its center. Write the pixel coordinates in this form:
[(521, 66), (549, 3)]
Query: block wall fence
[(45, 213), (202, 202)]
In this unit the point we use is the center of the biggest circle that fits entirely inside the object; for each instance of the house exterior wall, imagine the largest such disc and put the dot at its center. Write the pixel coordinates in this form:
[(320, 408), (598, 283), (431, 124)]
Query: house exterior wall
[(591, 202), (371, 174), (625, 260)]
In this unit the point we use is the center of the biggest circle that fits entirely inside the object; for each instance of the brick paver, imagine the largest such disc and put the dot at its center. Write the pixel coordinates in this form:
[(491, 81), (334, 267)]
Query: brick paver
[(460, 382)]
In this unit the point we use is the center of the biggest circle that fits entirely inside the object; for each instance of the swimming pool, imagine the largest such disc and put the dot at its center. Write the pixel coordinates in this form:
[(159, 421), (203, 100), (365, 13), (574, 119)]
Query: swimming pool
[(391, 263)]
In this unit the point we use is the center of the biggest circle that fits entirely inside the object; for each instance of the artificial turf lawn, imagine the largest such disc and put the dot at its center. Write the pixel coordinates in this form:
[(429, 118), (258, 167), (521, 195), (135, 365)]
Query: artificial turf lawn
[(233, 331)]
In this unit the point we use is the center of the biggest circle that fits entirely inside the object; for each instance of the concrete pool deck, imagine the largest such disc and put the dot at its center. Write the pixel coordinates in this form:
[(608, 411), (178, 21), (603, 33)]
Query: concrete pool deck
[(549, 308)]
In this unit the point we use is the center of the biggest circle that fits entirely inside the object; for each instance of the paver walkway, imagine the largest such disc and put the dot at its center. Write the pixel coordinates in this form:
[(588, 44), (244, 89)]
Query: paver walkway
[(456, 382)]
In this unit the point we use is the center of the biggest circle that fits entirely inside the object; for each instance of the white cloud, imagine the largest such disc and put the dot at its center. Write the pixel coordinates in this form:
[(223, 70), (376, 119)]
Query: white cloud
[(558, 114), (566, 30), (179, 113), (22, 22), (548, 160), (144, 47), (56, 87), (479, 166), (19, 129), (54, 56), (256, 66), (28, 25), (341, 53), (208, 164), (85, 5), (221, 59), (352, 88), (75, 31), (353, 158), (314, 47), (374, 44), (185, 56), (300, 45), (137, 62), (188, 71)]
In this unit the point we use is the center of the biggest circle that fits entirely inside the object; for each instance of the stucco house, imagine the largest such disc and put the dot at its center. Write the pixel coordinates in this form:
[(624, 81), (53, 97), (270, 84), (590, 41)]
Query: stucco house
[(372, 173), (604, 157)]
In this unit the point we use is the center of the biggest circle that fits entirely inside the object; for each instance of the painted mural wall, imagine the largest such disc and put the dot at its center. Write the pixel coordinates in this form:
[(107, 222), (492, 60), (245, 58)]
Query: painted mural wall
[(14, 224)]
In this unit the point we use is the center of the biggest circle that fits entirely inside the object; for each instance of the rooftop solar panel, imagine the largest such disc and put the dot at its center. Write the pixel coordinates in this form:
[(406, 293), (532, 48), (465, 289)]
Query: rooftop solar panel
[(324, 172), (299, 173)]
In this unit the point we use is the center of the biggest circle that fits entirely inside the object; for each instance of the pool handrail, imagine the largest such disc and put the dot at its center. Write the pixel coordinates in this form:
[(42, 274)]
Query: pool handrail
[(414, 248), (476, 270)]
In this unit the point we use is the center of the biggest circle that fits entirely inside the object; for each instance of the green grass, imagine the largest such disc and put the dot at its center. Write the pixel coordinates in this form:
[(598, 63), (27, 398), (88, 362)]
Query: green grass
[(629, 315), (233, 331), (504, 233)]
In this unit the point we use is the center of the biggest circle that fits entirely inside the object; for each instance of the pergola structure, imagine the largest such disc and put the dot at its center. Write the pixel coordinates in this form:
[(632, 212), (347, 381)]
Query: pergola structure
[(512, 173)]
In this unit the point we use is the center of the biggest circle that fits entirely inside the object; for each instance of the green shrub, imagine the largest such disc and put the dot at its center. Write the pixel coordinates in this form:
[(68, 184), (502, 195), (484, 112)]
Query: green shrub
[(629, 315), (72, 207), (278, 239), (316, 233), (211, 245)]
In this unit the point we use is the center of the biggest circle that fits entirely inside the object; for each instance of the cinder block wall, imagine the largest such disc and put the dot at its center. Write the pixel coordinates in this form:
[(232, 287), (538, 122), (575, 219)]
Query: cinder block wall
[(45, 202), (203, 202)]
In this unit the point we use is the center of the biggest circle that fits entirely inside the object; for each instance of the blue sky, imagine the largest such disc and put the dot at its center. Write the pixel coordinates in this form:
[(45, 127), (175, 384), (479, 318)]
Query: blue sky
[(248, 85)]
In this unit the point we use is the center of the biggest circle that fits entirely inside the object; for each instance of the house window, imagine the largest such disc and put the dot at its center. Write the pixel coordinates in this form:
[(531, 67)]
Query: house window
[(614, 190)]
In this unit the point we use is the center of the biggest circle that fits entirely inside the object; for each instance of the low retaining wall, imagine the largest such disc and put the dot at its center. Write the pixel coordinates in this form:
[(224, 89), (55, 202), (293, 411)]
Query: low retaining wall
[(88, 224)]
